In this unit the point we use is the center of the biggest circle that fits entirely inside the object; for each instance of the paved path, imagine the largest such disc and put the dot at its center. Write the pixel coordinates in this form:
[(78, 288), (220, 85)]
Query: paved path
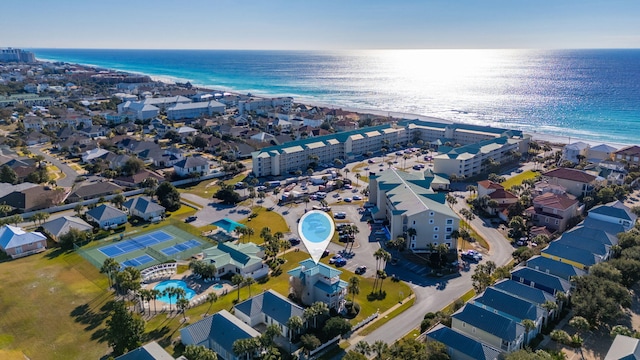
[(70, 174)]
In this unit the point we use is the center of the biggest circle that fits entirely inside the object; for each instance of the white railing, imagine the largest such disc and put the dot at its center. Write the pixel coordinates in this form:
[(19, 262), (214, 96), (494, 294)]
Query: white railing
[(365, 321)]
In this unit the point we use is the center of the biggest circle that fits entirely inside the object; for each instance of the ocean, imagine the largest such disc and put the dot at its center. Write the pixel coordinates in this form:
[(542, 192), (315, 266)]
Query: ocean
[(574, 94)]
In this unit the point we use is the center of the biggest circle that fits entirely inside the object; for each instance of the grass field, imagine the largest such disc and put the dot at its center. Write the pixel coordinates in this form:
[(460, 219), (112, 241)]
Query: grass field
[(53, 309), (518, 179), (207, 188), (265, 218)]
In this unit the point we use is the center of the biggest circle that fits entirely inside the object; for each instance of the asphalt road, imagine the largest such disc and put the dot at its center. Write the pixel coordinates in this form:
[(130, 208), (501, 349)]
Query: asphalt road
[(70, 174)]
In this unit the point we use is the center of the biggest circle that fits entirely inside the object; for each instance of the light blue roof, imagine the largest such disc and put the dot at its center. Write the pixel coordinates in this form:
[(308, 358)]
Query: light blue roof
[(310, 268), (461, 343), (614, 209), (608, 227), (11, 237), (333, 288), (553, 267), (598, 235), (490, 322)]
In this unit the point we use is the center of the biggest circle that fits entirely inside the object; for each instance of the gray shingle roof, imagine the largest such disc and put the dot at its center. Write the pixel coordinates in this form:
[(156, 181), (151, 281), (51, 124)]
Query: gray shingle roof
[(105, 212), (272, 304), (62, 225), (143, 204), (191, 162), (221, 327), (150, 351)]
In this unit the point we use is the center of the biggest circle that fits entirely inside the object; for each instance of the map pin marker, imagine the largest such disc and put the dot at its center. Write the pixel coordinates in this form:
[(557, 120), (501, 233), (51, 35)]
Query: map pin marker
[(316, 230)]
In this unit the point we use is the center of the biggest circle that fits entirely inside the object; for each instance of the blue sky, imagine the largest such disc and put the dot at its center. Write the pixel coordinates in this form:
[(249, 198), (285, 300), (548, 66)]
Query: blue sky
[(323, 24)]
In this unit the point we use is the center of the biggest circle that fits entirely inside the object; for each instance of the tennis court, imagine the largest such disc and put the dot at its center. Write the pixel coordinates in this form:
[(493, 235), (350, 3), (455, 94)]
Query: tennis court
[(180, 247), (142, 250), (136, 243)]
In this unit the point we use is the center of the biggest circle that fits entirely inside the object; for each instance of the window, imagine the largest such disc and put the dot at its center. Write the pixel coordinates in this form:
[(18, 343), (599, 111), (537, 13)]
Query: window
[(430, 221), (435, 228), (414, 222), (449, 221), (431, 213), (448, 229), (435, 236)]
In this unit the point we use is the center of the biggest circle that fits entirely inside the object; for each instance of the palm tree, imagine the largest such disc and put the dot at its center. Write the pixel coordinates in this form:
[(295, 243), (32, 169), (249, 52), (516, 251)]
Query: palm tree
[(240, 231), (358, 176), (265, 232), (183, 305), (379, 347), (211, 298), (169, 292), (5, 209), (363, 347), (249, 232), (237, 280), (110, 266), (118, 200), (317, 309), (354, 287), (78, 208), (294, 324), (528, 326), (155, 294), (248, 281)]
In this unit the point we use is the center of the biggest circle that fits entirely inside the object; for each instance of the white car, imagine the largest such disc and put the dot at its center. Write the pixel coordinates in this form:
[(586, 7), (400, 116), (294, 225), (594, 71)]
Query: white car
[(334, 259), (356, 197)]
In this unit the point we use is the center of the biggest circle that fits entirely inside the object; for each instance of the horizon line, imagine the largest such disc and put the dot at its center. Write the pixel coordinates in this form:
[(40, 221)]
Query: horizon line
[(320, 50)]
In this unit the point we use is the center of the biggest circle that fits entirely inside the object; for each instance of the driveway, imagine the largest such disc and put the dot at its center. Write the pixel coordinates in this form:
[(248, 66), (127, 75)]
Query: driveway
[(70, 174)]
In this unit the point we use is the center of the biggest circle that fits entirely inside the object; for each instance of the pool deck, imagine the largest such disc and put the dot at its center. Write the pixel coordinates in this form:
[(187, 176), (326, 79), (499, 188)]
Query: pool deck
[(201, 288)]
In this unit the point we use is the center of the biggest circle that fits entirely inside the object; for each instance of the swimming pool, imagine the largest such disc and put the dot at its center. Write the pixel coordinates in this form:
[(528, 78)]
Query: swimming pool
[(316, 226), (227, 224), (176, 284), (217, 286)]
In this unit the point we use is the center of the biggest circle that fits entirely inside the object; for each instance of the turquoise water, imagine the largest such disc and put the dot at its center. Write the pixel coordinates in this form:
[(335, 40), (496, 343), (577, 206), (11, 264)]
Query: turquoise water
[(316, 226), (227, 225), (177, 284), (217, 286), (586, 94)]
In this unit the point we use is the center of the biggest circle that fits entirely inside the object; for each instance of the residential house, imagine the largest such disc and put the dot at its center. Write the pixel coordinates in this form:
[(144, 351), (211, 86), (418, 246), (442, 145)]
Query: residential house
[(33, 122), (150, 351), (311, 282), (91, 155), (554, 210), (581, 247), (144, 208), (630, 154), (614, 212), (192, 165), (95, 131), (218, 332), (601, 152), (62, 226), (136, 180), (35, 138), (624, 348), (460, 346), (244, 259), (498, 331), (541, 280), (558, 268), (112, 117), (34, 198), (575, 152), (525, 292), (16, 242), (406, 201), (263, 137), (495, 192), (577, 257), (94, 190), (106, 216), (577, 182), (512, 307), (268, 308)]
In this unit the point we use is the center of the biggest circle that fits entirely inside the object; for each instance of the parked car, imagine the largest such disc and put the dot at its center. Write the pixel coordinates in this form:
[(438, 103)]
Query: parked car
[(190, 219), (471, 255), (361, 270), (347, 199), (294, 241), (340, 262), (371, 161), (340, 215), (335, 258), (356, 197), (416, 167)]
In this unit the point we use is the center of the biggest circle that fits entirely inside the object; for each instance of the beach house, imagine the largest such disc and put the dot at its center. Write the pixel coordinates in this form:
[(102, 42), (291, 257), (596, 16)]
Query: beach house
[(144, 208), (16, 242), (244, 259), (106, 216), (62, 225), (268, 308), (311, 282)]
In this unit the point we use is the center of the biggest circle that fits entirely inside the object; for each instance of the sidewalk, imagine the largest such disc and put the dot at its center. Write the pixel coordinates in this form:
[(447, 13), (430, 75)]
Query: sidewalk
[(354, 338)]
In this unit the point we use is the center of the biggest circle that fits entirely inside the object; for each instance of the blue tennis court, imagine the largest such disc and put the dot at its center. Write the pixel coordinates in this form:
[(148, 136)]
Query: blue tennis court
[(136, 243), (140, 260), (180, 247)]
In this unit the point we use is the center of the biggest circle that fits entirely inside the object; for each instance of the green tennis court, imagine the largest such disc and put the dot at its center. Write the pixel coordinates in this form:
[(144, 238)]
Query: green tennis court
[(144, 249)]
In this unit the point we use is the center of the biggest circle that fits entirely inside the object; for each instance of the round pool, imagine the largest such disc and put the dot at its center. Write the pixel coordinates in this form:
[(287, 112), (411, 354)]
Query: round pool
[(316, 226), (176, 284)]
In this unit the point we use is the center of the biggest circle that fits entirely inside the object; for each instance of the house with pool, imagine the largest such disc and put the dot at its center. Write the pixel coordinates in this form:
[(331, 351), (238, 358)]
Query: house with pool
[(244, 259), (311, 282)]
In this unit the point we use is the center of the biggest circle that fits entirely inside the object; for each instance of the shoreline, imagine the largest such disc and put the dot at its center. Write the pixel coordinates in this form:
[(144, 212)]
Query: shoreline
[(544, 137)]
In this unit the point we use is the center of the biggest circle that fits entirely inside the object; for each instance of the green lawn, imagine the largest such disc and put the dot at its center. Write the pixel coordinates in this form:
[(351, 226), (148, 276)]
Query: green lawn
[(166, 330), (518, 179), (207, 188), (52, 307), (265, 218)]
